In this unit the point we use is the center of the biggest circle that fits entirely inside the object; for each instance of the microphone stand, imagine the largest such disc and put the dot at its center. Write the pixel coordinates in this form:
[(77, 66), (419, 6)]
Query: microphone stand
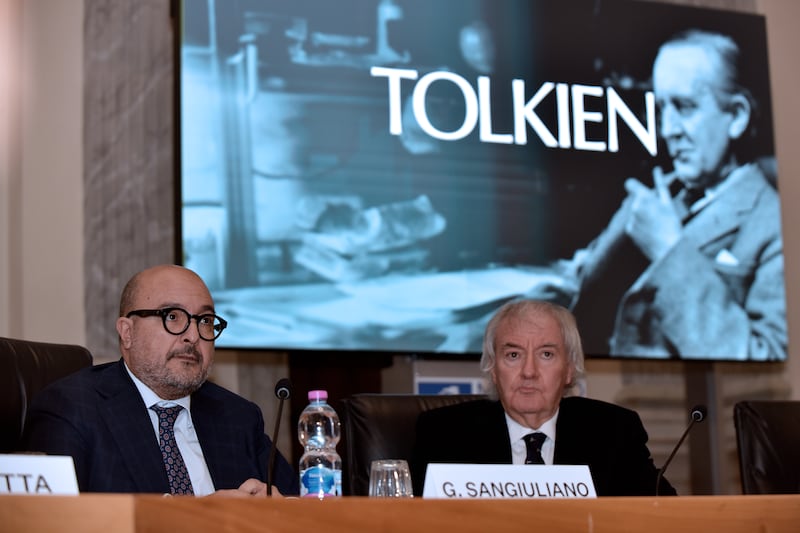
[(697, 415), (282, 391), (271, 461)]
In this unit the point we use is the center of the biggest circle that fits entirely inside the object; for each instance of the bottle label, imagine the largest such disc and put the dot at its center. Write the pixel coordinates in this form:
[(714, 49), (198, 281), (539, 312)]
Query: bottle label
[(320, 482)]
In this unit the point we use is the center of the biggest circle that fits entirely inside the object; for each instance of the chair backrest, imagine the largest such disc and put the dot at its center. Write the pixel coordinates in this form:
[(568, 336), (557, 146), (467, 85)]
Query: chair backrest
[(26, 367), (383, 426), (768, 440)]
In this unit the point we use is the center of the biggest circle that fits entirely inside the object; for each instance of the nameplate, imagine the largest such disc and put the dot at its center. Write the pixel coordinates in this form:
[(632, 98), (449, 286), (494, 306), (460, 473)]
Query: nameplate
[(508, 481), (37, 474)]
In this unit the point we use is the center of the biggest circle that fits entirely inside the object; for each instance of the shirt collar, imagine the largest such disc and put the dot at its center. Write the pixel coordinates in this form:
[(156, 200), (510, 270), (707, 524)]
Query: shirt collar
[(516, 430), (736, 175), (151, 398)]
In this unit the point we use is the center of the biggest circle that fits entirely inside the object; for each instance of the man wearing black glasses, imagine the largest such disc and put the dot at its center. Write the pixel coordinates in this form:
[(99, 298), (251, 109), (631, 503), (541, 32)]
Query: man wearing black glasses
[(151, 422)]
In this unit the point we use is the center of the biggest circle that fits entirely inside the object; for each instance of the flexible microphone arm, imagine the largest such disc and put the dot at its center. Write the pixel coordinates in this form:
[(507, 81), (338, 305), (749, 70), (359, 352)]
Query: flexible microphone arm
[(697, 414), (283, 390)]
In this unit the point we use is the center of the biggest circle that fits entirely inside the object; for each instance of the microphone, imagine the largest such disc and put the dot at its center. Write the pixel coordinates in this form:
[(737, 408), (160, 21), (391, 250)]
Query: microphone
[(697, 414), (283, 390)]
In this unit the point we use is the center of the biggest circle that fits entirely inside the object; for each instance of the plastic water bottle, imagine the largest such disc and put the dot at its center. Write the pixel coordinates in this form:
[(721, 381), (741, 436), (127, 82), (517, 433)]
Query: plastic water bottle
[(319, 430)]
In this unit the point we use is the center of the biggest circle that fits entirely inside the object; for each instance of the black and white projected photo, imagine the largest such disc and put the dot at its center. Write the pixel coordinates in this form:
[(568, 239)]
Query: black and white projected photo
[(381, 175)]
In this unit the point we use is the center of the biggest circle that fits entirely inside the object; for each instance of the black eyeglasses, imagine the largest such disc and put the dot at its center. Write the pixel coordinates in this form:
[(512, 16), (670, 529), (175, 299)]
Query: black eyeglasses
[(177, 320)]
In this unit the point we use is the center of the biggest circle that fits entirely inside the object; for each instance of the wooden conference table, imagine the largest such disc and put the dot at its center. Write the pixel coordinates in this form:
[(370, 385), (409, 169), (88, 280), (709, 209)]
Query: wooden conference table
[(129, 513)]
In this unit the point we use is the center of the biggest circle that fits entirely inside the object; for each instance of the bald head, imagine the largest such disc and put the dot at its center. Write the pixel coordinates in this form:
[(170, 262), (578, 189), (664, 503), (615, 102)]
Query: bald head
[(157, 275)]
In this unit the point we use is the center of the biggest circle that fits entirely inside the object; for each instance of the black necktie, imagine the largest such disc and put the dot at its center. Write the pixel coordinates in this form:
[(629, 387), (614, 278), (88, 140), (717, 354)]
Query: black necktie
[(534, 441), (177, 473), (687, 198)]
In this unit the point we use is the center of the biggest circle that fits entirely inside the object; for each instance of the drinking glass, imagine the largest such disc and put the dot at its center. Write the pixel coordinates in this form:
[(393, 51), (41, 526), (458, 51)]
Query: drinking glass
[(390, 478)]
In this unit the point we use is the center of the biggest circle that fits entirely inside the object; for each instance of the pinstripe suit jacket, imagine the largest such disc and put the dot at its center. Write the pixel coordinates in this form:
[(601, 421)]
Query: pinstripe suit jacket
[(98, 417)]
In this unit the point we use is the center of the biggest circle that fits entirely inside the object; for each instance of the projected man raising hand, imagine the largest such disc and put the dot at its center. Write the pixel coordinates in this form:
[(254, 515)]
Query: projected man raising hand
[(714, 285)]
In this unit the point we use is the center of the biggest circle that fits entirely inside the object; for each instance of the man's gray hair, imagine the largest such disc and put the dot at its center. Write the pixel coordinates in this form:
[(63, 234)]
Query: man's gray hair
[(521, 308)]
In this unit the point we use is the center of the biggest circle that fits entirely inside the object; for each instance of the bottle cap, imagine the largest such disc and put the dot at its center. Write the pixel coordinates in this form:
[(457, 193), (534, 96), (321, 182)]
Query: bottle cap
[(317, 395)]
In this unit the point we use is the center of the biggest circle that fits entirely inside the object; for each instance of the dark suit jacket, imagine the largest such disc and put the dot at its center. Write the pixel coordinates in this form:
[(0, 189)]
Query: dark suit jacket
[(98, 417), (608, 438)]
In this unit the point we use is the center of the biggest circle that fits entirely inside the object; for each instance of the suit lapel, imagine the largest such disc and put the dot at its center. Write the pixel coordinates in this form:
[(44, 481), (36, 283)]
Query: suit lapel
[(723, 215), (206, 417), (570, 448), (493, 449), (720, 218), (126, 418)]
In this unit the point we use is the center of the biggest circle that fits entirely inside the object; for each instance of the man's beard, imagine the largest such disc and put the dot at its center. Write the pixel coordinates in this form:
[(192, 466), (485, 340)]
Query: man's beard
[(183, 386), (170, 384)]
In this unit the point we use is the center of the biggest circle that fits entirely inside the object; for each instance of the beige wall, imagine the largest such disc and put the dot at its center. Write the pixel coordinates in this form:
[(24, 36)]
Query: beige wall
[(10, 47), (41, 172)]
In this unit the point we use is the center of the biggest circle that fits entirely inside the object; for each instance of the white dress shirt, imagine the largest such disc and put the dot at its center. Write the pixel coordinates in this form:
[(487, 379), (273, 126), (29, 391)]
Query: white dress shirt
[(518, 449), (185, 436)]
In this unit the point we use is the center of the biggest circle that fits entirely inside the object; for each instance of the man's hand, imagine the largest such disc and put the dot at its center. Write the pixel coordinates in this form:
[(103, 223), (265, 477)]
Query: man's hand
[(652, 223), (251, 487)]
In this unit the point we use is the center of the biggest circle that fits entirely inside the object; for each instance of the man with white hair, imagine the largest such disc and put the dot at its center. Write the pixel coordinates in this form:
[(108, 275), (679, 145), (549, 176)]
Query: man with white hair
[(533, 356)]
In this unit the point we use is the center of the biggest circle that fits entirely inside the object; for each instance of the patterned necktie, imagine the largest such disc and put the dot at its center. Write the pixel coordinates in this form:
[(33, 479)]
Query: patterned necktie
[(178, 475), (534, 441)]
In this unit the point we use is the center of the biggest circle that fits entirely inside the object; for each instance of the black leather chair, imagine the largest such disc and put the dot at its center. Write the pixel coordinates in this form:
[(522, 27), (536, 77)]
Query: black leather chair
[(383, 426), (768, 441), (26, 367)]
